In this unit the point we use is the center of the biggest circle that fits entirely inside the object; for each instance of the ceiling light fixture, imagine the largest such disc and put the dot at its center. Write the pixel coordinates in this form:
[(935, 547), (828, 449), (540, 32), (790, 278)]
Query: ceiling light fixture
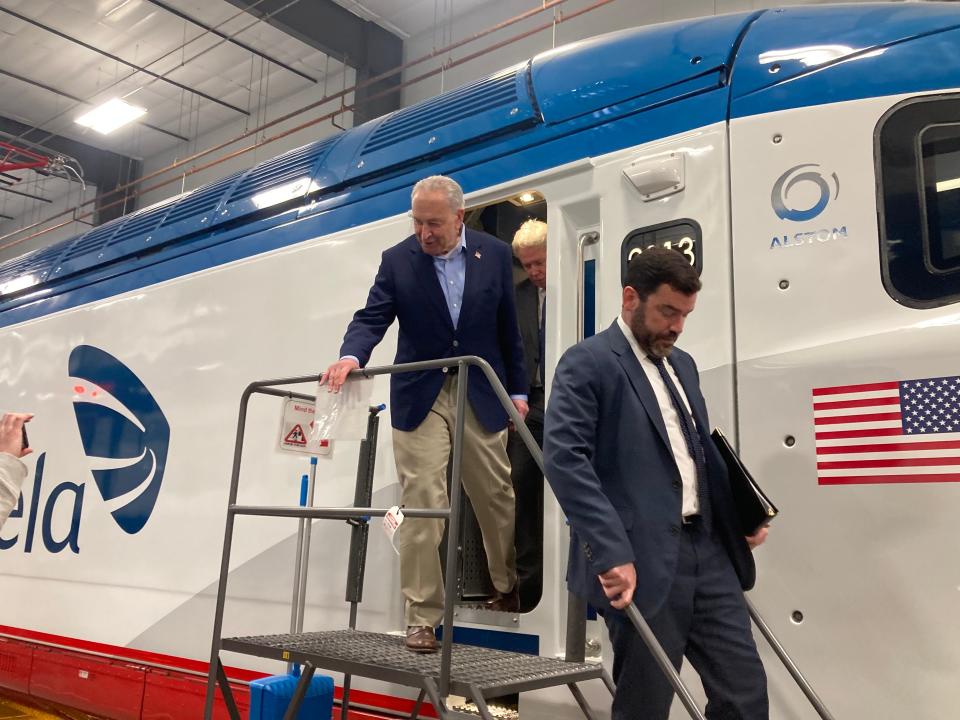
[(111, 115)]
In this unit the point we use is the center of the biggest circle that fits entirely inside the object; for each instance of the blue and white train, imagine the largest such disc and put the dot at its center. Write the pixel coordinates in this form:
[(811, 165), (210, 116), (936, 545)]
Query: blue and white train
[(807, 160)]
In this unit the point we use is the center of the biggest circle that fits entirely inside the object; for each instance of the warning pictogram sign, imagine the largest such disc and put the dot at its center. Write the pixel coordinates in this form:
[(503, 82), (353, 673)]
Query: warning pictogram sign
[(296, 436), (295, 427)]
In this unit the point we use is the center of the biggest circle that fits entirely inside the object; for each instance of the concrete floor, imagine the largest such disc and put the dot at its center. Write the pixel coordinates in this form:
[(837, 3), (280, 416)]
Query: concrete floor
[(19, 708)]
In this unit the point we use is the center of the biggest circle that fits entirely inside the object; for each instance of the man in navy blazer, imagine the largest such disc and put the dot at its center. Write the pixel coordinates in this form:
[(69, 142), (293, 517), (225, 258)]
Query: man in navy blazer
[(629, 457), (451, 290)]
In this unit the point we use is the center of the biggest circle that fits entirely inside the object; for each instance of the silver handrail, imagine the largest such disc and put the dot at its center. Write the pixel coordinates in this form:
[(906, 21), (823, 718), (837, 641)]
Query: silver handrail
[(587, 238), (576, 632), (788, 661)]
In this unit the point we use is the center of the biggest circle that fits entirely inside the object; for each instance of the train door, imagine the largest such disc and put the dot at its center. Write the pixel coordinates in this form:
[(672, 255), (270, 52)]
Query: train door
[(672, 193), (847, 365)]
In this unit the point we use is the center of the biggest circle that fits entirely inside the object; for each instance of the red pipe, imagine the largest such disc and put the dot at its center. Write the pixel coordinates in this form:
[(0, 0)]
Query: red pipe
[(35, 161)]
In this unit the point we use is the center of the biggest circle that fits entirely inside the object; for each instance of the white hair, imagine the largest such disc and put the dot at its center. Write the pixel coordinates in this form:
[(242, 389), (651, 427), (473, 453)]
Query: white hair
[(441, 183), (532, 234)]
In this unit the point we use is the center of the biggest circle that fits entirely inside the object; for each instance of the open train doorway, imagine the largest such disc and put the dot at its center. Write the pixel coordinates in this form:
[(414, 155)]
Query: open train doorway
[(502, 219)]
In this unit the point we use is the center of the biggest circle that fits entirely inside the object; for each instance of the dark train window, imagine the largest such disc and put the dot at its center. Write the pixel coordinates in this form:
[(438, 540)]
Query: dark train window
[(681, 235), (940, 149), (918, 158)]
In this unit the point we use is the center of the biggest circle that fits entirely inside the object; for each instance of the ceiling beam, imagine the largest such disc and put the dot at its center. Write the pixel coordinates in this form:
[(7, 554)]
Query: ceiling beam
[(229, 38), (337, 32), (26, 195), (61, 93), (119, 59)]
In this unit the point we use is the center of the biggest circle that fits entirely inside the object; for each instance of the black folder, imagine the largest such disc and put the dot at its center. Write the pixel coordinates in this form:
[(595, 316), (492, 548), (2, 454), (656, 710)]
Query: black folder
[(753, 506)]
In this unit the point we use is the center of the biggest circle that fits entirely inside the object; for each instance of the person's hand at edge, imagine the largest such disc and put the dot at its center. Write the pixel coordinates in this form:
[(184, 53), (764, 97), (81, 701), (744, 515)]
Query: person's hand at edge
[(11, 434)]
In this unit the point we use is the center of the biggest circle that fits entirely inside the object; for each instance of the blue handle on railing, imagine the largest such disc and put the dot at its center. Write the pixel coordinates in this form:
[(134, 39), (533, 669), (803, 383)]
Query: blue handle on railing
[(304, 481)]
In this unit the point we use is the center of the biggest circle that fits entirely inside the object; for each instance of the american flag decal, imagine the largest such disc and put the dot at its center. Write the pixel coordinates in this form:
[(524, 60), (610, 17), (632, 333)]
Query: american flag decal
[(904, 431)]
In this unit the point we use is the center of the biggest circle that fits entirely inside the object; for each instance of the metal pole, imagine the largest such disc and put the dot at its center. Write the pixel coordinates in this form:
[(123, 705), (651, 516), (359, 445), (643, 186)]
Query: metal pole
[(305, 550), (581, 701), (296, 564), (576, 636), (300, 692), (788, 661), (363, 495), (663, 661), (227, 692), (225, 557), (453, 532)]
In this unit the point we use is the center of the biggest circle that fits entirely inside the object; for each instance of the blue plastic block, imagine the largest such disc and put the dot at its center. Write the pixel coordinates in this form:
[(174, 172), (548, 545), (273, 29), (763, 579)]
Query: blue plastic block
[(270, 696)]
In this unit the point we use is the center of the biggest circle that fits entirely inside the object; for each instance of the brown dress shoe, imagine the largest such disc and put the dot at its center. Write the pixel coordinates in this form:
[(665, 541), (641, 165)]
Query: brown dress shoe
[(508, 602), (421, 639)]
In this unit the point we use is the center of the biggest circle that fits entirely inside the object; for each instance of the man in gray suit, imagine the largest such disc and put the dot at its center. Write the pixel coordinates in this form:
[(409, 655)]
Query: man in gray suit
[(530, 248), (629, 456)]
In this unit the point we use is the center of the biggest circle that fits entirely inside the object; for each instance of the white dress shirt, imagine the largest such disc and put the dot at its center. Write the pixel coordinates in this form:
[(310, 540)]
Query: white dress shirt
[(690, 504)]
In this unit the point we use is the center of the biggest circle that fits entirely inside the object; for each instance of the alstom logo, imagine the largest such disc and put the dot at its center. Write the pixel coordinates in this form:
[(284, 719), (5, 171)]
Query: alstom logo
[(124, 432), (814, 186)]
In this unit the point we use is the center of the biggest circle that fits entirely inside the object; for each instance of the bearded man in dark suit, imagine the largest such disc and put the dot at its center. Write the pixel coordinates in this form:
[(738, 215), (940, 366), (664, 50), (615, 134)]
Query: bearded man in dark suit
[(628, 453)]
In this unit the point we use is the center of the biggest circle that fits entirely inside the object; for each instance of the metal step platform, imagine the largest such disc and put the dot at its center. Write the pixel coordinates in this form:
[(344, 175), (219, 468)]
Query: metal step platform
[(472, 672), (385, 657)]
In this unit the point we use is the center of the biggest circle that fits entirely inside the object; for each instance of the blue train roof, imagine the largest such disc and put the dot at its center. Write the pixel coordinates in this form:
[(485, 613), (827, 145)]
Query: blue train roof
[(763, 61)]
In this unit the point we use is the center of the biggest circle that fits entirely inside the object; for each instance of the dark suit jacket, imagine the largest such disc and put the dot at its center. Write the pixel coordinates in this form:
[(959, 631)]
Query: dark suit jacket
[(407, 289), (609, 462), (528, 317)]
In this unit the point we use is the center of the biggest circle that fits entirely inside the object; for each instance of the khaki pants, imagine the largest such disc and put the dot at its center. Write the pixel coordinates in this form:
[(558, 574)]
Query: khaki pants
[(421, 457)]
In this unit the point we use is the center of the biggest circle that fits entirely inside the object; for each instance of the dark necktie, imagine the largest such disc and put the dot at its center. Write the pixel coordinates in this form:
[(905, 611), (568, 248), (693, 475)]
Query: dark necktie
[(690, 435), (542, 339)]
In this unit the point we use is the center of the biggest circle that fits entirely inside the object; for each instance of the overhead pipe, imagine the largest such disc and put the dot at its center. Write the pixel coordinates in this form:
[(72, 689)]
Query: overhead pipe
[(328, 116), (26, 195)]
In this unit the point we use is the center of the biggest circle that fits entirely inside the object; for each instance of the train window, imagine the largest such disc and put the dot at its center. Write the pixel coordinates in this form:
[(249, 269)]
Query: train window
[(918, 149), (681, 235), (940, 149)]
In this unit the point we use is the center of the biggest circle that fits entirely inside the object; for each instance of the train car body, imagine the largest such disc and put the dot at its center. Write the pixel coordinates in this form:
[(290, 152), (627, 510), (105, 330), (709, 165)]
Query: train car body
[(806, 160)]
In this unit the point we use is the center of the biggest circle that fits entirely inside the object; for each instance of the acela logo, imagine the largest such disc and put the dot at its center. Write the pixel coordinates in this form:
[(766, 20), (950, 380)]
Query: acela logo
[(124, 434), (792, 177)]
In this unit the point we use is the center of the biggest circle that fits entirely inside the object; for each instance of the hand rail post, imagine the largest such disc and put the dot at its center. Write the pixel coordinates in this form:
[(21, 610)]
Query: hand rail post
[(453, 531), (225, 556)]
